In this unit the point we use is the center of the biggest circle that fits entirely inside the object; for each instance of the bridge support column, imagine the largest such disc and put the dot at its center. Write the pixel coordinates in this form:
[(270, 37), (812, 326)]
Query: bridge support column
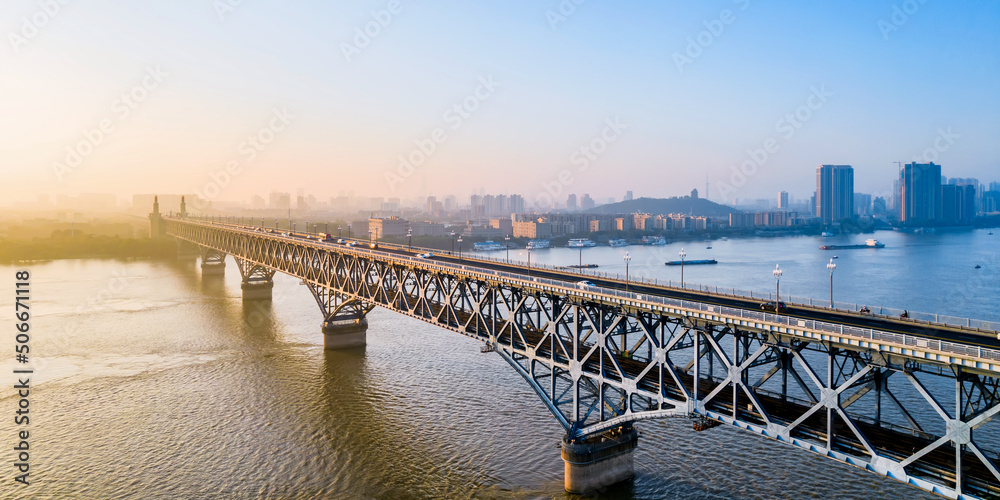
[(344, 321), (258, 281), (596, 462), (345, 333), (213, 262)]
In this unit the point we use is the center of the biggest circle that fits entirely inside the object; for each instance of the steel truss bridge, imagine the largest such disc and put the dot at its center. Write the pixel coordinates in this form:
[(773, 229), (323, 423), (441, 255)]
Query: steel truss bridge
[(910, 401)]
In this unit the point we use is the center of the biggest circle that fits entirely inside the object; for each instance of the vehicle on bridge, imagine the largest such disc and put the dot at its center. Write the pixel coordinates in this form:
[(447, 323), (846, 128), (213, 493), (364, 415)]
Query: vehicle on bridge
[(427, 255), (584, 285), (373, 245), (326, 236), (772, 306)]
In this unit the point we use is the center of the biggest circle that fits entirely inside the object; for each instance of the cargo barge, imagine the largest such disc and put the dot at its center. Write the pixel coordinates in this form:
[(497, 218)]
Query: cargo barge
[(692, 262), (870, 243)]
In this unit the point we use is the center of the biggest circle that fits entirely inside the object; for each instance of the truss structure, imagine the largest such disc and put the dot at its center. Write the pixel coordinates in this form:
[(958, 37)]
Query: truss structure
[(599, 361)]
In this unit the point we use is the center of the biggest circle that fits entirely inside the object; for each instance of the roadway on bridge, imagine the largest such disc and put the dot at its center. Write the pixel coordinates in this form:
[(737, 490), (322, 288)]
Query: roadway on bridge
[(933, 331)]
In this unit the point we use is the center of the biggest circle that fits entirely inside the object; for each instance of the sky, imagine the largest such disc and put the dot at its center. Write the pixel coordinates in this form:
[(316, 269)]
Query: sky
[(400, 98)]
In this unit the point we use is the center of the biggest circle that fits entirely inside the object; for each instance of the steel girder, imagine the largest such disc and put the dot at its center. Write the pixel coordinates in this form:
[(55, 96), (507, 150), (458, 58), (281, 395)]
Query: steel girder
[(252, 272), (598, 362)]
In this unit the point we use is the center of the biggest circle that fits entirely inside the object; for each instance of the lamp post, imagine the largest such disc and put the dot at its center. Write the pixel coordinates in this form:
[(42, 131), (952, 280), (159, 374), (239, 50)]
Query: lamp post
[(409, 239), (777, 286), (529, 259), (307, 226), (348, 231), (293, 226), (831, 266), (627, 258), (506, 246), (459, 248), (452, 243), (682, 255), (276, 223), (339, 228), (581, 259)]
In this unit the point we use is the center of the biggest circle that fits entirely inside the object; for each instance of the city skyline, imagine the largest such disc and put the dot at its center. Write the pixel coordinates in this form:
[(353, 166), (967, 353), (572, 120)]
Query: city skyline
[(593, 90)]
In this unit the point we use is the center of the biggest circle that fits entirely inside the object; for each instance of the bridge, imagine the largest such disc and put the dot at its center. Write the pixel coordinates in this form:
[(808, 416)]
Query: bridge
[(867, 390)]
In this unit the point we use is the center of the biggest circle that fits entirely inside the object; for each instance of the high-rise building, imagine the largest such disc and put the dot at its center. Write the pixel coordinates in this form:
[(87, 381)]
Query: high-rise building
[(920, 193), (958, 204), (783, 200), (279, 201), (834, 192), (862, 204), (587, 202), (571, 202), (628, 195)]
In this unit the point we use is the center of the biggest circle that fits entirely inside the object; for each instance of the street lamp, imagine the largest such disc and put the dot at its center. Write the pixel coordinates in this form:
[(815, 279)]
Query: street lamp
[(348, 231), (682, 255), (459, 248), (528, 247), (777, 286), (506, 246), (339, 228), (452, 243), (627, 258), (409, 238), (831, 266)]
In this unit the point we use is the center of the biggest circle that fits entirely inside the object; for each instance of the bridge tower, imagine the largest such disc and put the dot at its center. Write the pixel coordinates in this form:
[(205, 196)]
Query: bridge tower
[(156, 227), (345, 322), (258, 281)]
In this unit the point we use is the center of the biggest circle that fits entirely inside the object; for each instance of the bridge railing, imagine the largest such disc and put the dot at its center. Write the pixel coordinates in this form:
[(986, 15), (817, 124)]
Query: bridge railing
[(992, 327)]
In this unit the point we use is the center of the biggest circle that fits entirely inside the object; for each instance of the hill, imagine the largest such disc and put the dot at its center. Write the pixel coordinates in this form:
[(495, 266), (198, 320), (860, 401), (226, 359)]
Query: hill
[(663, 206)]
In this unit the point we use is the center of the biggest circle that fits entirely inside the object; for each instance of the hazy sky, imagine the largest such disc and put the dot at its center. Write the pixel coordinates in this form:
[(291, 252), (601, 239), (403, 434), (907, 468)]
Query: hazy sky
[(162, 96)]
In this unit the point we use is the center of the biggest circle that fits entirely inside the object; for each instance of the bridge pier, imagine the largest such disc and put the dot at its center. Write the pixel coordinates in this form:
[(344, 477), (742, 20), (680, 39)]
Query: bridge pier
[(258, 281), (597, 462), (344, 318), (213, 262), (345, 333)]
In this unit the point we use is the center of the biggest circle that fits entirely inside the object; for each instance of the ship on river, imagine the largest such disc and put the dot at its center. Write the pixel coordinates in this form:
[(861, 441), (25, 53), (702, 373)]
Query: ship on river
[(869, 243)]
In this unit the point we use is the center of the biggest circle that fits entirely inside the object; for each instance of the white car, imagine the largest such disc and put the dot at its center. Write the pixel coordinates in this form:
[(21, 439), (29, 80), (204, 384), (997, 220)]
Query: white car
[(584, 285), (427, 255)]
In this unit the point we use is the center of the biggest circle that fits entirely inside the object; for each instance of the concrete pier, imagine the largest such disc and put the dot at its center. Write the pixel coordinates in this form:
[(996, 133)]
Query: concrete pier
[(340, 334), (257, 290), (213, 269), (600, 461)]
